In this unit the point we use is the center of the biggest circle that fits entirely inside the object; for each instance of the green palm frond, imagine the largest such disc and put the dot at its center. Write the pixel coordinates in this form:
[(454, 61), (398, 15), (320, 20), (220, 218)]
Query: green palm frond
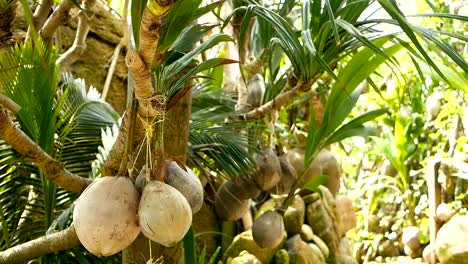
[(213, 143), (81, 120), (28, 76), (67, 123)]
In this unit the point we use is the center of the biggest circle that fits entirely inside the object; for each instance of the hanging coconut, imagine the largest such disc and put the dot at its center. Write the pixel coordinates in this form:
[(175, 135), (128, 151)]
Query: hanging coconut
[(268, 229), (287, 177), (164, 214), (187, 183), (105, 215), (255, 90), (268, 170), (323, 164), (140, 181), (243, 188), (229, 207)]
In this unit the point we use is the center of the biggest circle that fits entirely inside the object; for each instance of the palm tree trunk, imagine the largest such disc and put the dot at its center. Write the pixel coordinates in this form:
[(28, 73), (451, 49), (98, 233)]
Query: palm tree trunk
[(176, 129)]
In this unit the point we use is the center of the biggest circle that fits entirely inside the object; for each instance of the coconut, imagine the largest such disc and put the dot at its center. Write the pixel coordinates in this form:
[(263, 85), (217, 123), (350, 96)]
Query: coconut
[(255, 90), (228, 207), (268, 170), (288, 176), (187, 183), (268, 229), (140, 181), (105, 215), (164, 214), (323, 164), (243, 188)]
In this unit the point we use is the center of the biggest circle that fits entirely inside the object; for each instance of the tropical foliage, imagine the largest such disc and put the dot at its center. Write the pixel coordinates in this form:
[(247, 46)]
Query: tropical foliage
[(334, 53)]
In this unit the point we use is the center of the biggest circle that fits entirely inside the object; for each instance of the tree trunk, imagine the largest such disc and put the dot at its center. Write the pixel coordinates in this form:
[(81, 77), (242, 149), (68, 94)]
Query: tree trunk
[(176, 129)]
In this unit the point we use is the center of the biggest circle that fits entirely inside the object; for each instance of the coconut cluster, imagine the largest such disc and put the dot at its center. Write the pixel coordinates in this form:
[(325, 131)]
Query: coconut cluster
[(275, 175), (110, 213)]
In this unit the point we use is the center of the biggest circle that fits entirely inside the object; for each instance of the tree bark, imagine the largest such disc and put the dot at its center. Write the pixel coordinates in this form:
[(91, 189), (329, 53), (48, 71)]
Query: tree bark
[(176, 129), (28, 148), (62, 240)]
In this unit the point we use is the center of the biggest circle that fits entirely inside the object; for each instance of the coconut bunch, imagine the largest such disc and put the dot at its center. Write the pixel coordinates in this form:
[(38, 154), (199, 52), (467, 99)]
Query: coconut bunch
[(311, 230), (110, 213), (166, 207), (323, 164), (232, 199)]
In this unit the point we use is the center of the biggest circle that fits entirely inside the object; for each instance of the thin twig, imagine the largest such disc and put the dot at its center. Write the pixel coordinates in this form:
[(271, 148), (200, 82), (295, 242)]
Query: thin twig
[(28, 148), (41, 246), (115, 56)]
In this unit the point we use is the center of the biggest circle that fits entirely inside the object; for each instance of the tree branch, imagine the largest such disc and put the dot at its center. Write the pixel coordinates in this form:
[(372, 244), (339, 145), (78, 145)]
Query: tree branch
[(56, 19), (9, 104), (275, 104), (41, 12), (79, 44), (41, 246), (25, 146), (139, 63)]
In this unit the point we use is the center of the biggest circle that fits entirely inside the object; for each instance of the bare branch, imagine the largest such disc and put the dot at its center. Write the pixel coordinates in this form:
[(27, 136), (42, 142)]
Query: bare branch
[(41, 246), (9, 104), (79, 44), (41, 12), (56, 19), (25, 146), (275, 104)]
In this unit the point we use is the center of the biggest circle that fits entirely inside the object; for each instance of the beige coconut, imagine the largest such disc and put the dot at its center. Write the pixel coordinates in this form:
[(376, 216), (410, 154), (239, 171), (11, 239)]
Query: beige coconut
[(229, 207), (187, 183), (105, 216), (268, 170), (165, 215), (268, 229), (323, 164), (288, 177)]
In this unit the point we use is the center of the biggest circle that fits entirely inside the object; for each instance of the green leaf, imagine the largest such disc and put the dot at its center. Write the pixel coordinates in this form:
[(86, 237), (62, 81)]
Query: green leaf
[(446, 48), (355, 33), (202, 257), (286, 36), (369, 116), (362, 131), (189, 36), (29, 66), (332, 21), (356, 128), (203, 66), (136, 12), (206, 9), (179, 17), (310, 47), (362, 64), (176, 67), (315, 182), (393, 10), (313, 139), (189, 247), (306, 19), (214, 256)]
